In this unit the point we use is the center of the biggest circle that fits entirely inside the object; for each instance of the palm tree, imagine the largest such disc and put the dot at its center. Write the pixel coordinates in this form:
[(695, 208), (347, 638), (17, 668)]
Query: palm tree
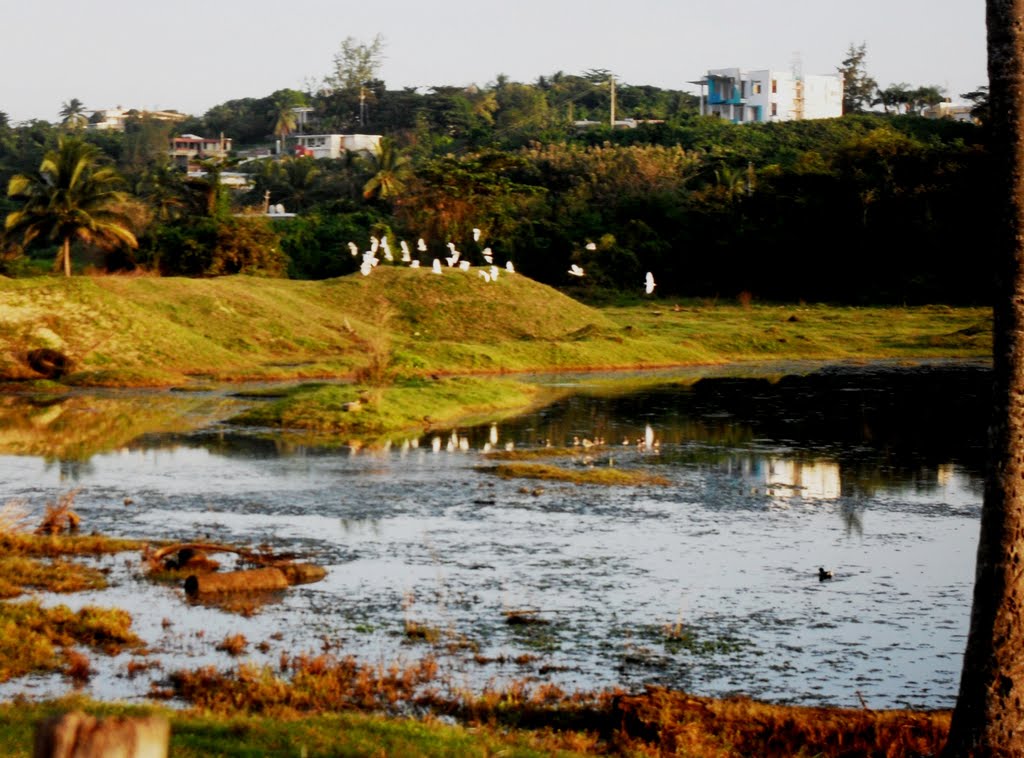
[(72, 195), (73, 114), (389, 169), (990, 705), (282, 112)]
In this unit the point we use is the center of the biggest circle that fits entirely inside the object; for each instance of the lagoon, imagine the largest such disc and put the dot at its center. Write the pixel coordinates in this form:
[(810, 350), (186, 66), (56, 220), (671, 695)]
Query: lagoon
[(708, 584)]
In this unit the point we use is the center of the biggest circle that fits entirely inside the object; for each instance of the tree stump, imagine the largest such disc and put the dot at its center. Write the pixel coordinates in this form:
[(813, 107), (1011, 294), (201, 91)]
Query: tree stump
[(79, 735)]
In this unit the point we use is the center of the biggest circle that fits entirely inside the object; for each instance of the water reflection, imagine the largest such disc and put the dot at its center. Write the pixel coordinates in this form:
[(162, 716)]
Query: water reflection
[(873, 472)]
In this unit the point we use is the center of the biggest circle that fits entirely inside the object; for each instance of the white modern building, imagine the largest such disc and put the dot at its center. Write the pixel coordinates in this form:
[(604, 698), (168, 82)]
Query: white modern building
[(334, 145), (950, 111), (765, 95)]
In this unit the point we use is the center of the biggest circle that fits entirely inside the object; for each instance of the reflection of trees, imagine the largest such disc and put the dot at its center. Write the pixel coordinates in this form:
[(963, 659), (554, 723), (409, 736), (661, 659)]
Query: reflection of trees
[(879, 424), (76, 427), (71, 470), (853, 517)]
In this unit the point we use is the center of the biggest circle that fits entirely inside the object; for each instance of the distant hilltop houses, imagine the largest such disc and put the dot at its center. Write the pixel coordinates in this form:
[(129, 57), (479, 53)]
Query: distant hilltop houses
[(334, 145), (766, 95), (114, 119)]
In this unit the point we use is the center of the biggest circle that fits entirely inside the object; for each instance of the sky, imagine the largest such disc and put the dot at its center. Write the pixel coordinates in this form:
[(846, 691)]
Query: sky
[(189, 55)]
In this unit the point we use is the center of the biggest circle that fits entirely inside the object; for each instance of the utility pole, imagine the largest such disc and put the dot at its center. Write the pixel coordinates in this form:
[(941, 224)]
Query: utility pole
[(611, 81), (362, 106)]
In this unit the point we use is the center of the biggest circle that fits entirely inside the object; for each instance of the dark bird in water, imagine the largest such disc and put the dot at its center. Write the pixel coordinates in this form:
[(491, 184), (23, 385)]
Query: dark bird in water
[(824, 575)]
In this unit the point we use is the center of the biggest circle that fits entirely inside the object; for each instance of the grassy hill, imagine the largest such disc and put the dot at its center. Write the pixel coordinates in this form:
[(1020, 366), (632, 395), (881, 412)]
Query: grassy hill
[(147, 330)]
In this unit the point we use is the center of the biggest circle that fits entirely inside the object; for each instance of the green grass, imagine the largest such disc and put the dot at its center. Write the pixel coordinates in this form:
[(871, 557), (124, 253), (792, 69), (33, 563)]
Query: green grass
[(582, 475), (410, 405), (200, 735), (160, 331)]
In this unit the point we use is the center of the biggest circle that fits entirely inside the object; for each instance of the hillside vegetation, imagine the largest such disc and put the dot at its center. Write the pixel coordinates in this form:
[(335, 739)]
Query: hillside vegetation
[(158, 331)]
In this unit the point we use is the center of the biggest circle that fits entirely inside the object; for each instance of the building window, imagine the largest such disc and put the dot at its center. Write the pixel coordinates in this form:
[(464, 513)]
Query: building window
[(775, 86), (757, 88), (775, 109)]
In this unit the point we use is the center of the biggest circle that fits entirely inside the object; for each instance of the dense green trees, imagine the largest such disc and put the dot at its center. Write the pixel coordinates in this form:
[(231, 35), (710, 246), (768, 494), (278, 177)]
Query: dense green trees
[(73, 195), (899, 205)]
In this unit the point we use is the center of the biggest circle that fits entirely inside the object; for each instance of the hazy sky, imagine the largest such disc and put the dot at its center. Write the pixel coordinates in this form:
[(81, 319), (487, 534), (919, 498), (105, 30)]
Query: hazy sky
[(192, 54)]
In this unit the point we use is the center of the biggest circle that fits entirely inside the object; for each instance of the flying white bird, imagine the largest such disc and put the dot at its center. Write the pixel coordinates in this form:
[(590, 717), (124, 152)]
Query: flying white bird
[(509, 267), (353, 248), (421, 245), (649, 283), (437, 266), (406, 255), (591, 246), (576, 270), (476, 234)]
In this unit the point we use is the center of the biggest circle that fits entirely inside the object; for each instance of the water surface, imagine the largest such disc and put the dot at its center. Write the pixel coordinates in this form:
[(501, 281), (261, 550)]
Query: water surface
[(709, 584)]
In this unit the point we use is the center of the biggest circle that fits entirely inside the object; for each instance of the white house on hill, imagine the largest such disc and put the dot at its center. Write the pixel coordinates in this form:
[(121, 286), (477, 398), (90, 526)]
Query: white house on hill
[(334, 145), (764, 95)]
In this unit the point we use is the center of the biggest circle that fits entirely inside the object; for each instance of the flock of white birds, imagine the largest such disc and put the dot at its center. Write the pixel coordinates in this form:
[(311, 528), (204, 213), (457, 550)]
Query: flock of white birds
[(488, 273)]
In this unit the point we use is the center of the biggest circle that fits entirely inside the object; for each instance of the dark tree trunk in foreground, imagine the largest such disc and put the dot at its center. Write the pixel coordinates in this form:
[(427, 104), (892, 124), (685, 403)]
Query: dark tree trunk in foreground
[(989, 715)]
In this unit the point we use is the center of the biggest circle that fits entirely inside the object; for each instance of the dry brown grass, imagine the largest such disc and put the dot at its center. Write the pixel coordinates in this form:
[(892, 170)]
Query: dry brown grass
[(661, 722), (233, 644), (657, 722), (14, 516), (59, 516)]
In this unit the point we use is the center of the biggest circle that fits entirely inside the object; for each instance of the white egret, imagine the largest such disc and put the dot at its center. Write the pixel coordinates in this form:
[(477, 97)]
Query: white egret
[(406, 255), (648, 437), (386, 248), (454, 258), (476, 234), (365, 268), (435, 444), (488, 255), (493, 436), (649, 283), (421, 245), (591, 246), (353, 248), (494, 273), (414, 264), (374, 244), (510, 268), (437, 266), (576, 270), (484, 275), (464, 265)]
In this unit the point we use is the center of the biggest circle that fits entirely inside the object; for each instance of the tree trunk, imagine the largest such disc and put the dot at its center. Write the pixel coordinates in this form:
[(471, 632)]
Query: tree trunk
[(65, 255), (989, 715)]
